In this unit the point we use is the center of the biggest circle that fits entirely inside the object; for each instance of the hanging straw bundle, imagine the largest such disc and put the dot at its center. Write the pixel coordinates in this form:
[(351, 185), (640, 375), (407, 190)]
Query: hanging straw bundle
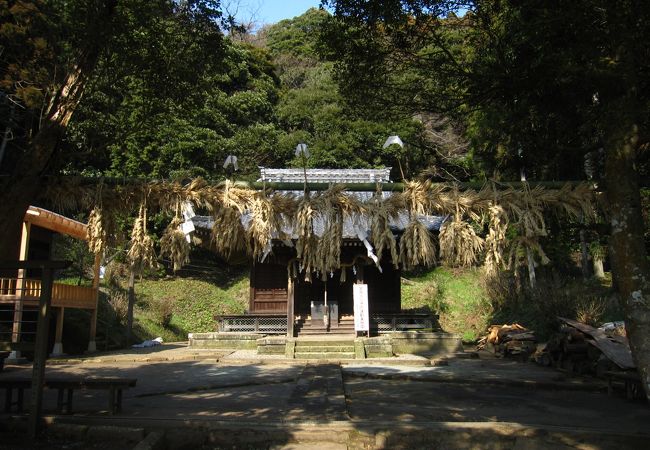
[(334, 206), (228, 234), (227, 204), (459, 244), (307, 243), (496, 240), (576, 202), (417, 197), (380, 212), (264, 222), (141, 254), (328, 253), (96, 231), (416, 246), (528, 207), (173, 242), (521, 247)]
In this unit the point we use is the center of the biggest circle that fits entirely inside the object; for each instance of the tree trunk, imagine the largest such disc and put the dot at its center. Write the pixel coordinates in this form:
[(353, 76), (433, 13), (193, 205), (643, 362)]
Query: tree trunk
[(628, 253), (20, 189)]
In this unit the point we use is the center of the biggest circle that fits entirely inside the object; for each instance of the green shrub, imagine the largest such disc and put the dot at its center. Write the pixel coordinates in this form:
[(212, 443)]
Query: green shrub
[(162, 310)]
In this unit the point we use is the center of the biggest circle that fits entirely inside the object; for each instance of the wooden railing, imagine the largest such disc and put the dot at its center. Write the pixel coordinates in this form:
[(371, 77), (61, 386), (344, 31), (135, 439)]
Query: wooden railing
[(63, 295), (250, 323)]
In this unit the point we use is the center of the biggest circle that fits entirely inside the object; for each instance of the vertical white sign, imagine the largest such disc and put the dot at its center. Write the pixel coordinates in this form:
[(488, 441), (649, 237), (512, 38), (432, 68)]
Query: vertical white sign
[(361, 316)]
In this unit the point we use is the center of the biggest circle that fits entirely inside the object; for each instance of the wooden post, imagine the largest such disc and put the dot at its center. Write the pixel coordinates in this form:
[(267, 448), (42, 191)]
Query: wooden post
[(92, 344), (58, 335), (40, 352), (129, 311), (40, 347), (584, 250), (531, 268), (20, 289), (290, 307)]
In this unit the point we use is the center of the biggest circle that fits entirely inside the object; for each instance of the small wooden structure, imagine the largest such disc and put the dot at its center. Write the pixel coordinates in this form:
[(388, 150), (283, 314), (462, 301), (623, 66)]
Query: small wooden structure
[(24, 288)]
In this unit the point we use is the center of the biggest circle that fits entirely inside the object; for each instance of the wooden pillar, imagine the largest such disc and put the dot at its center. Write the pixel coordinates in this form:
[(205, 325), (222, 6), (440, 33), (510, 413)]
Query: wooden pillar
[(584, 250), (290, 307), (129, 310), (58, 335), (531, 268), (92, 344), (40, 352), (20, 289)]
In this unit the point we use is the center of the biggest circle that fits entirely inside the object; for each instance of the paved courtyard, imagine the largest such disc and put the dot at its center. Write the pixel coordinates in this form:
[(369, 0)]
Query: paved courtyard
[(219, 388)]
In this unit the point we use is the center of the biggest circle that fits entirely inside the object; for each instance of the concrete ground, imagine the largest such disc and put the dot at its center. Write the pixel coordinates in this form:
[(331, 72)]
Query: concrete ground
[(382, 403)]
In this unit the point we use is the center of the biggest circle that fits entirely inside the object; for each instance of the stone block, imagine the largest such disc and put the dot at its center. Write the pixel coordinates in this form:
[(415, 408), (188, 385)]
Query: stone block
[(290, 349), (423, 343), (271, 349), (230, 341), (359, 349)]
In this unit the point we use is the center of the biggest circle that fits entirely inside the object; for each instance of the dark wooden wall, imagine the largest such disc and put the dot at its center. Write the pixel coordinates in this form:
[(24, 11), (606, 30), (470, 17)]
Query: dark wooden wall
[(269, 287)]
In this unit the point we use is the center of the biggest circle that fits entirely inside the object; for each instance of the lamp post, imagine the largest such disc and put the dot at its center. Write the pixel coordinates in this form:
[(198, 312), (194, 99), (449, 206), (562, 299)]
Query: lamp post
[(397, 141), (303, 152)]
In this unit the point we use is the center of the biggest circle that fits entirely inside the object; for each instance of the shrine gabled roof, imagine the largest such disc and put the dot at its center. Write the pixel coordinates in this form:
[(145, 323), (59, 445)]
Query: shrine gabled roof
[(338, 176)]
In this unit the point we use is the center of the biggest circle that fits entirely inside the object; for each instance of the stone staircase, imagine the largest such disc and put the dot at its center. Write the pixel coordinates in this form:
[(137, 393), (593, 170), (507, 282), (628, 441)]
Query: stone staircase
[(330, 349), (344, 326)]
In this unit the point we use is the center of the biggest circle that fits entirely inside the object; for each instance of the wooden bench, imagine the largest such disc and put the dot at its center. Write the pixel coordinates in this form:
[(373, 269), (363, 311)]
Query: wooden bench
[(15, 384), (631, 381), (66, 388)]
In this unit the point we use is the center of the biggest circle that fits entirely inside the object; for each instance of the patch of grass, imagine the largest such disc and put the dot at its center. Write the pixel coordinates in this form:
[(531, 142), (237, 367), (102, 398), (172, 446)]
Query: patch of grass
[(194, 303), (457, 295)]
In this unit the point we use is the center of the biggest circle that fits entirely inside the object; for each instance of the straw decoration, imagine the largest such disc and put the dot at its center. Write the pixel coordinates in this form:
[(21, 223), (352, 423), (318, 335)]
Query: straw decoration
[(275, 215), (173, 242), (141, 254)]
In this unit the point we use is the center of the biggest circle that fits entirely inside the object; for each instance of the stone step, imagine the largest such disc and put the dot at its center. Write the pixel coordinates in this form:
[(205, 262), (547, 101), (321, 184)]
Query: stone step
[(333, 331), (322, 327), (319, 323), (325, 348), (324, 355), (324, 342)]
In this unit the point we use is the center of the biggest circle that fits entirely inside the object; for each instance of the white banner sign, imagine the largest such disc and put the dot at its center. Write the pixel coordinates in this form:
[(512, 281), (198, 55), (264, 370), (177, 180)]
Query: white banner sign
[(361, 316)]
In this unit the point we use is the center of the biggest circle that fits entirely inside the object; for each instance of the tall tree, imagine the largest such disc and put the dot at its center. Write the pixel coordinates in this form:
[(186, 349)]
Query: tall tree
[(540, 83)]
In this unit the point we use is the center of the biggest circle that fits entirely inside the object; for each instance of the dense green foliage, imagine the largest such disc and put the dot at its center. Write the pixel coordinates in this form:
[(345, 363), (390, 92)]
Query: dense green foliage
[(534, 85), (227, 97)]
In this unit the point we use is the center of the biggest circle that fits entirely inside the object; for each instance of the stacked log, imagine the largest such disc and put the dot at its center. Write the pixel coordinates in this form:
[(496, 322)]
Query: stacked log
[(509, 340), (569, 350), (583, 350)]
